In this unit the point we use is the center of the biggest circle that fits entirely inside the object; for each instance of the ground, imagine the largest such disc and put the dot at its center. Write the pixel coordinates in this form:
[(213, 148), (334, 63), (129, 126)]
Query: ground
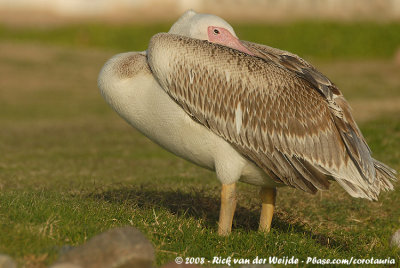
[(70, 168)]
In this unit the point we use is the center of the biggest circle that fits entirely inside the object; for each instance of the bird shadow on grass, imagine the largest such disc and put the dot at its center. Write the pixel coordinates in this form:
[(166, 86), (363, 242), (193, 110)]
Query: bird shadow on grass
[(204, 204)]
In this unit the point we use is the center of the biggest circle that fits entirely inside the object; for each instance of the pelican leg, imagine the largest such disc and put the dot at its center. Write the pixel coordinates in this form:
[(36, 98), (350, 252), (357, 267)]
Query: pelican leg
[(228, 206), (268, 197)]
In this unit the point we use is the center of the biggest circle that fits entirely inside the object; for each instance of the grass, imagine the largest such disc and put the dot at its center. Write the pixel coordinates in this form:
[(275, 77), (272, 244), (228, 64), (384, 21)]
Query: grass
[(70, 168), (309, 39)]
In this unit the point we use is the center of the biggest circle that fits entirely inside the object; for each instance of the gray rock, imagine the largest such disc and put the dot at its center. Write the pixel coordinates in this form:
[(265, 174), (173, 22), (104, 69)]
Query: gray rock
[(395, 240), (7, 262), (64, 249), (118, 248)]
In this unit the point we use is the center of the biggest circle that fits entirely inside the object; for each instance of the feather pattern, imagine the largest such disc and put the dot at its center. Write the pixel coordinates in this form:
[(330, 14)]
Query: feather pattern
[(295, 124), (355, 143)]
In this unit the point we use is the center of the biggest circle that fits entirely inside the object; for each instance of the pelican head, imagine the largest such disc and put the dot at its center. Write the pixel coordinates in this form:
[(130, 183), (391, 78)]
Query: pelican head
[(208, 27)]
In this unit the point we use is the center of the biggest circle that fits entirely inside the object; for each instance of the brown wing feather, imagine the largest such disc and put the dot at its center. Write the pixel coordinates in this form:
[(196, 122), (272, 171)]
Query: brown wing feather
[(287, 127), (353, 139)]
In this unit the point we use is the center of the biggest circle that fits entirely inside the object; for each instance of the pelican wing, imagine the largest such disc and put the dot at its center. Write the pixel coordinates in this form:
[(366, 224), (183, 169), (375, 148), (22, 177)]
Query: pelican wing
[(269, 113), (357, 146)]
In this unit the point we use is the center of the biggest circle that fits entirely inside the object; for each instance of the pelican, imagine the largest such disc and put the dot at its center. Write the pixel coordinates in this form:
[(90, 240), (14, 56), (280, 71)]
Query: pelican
[(249, 112)]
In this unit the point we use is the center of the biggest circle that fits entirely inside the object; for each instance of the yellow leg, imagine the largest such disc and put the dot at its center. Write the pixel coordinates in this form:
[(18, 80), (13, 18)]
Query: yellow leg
[(268, 196), (228, 206)]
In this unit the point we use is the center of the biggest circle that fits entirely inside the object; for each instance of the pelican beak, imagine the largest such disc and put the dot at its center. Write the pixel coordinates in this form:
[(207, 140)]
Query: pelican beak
[(223, 37), (237, 44)]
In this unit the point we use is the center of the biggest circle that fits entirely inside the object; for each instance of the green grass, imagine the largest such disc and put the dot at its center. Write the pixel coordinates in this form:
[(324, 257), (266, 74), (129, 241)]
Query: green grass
[(328, 39), (64, 183), (308, 39), (70, 168)]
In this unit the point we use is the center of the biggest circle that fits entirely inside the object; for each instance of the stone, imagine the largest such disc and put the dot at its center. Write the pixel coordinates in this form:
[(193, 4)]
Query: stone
[(118, 248), (7, 262), (64, 249), (395, 239)]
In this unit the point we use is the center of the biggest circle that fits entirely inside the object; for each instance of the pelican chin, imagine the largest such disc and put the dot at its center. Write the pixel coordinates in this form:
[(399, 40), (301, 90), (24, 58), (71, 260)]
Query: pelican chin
[(249, 112)]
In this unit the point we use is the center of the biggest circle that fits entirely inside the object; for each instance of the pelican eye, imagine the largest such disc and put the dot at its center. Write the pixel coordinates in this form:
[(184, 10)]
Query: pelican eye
[(216, 31)]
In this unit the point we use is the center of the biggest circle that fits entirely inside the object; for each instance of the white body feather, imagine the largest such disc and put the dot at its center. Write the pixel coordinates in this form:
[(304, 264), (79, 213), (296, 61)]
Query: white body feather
[(147, 107)]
